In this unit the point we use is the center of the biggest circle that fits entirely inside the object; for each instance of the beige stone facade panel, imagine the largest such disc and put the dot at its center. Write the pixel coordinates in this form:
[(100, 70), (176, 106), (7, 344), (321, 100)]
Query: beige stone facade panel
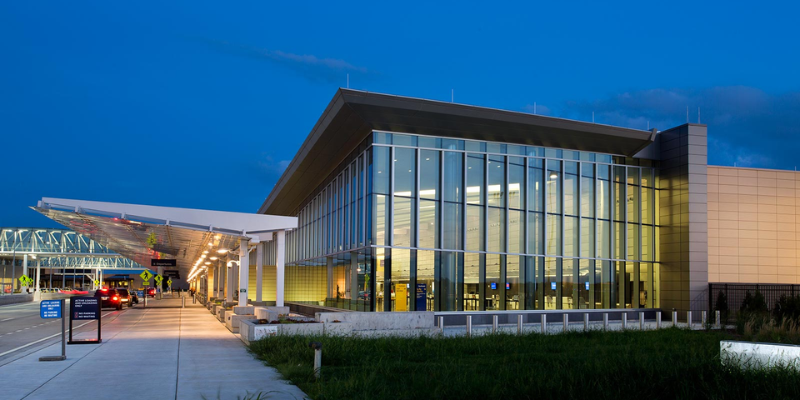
[(753, 225)]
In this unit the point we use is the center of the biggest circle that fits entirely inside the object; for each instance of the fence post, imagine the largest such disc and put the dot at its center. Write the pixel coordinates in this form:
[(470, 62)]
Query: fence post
[(519, 324), (641, 320), (689, 319), (718, 319), (566, 322), (605, 321), (585, 322), (494, 323), (658, 319), (469, 325), (703, 318), (624, 321), (544, 324), (674, 318), (441, 324)]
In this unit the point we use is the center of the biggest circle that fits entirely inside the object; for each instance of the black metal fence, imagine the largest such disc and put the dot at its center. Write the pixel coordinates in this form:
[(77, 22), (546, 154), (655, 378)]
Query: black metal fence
[(736, 292)]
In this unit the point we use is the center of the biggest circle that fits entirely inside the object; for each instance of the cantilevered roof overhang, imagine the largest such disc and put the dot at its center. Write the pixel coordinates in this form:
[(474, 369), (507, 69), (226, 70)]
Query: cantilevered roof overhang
[(142, 233), (352, 115)]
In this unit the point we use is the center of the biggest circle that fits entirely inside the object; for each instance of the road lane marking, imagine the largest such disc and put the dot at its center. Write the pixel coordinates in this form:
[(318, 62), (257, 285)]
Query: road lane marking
[(49, 337), (7, 319)]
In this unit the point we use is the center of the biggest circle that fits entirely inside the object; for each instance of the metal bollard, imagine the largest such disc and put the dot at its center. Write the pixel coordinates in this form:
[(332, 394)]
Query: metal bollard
[(566, 322), (674, 317), (494, 323), (605, 321), (624, 321), (641, 320), (441, 324), (658, 319), (585, 322), (544, 324), (469, 325), (317, 346), (689, 319), (519, 324), (719, 319)]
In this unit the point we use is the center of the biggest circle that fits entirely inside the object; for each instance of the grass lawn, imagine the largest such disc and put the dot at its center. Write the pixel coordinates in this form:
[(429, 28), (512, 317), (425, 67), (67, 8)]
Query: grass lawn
[(665, 364)]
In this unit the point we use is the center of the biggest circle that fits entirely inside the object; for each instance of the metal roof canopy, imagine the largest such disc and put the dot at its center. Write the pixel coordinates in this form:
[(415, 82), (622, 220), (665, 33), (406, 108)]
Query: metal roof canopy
[(352, 115), (141, 232)]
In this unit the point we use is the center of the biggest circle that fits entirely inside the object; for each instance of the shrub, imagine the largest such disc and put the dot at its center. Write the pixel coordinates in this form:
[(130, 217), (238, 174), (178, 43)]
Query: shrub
[(722, 306), (787, 307)]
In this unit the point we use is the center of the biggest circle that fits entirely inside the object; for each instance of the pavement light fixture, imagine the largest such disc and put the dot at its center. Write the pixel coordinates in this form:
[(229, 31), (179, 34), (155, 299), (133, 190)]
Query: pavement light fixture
[(317, 346), (222, 251), (214, 258), (208, 262), (203, 256), (205, 251)]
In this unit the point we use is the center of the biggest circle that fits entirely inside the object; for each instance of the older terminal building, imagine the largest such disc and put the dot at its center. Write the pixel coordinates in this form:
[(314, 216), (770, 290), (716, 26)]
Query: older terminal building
[(405, 204)]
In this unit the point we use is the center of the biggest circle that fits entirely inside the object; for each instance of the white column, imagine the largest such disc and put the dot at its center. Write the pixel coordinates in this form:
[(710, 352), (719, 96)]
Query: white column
[(259, 271), (280, 246), (24, 272), (229, 283), (38, 274), (217, 279), (161, 274), (244, 270)]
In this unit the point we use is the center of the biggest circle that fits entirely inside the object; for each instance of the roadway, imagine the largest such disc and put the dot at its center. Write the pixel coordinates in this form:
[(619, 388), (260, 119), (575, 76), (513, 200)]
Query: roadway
[(23, 331)]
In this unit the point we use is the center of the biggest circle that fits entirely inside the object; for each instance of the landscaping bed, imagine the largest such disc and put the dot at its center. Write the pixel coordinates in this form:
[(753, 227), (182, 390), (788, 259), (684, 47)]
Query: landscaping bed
[(665, 364)]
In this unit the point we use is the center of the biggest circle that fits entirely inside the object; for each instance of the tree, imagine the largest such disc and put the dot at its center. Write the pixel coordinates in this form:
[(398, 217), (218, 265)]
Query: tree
[(722, 305)]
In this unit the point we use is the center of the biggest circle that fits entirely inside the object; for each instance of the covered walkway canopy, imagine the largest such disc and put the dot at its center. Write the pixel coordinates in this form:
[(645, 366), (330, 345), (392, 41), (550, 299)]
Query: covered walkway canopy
[(191, 237)]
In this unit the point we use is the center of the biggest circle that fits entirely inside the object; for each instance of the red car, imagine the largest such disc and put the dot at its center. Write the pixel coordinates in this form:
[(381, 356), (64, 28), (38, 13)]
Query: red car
[(151, 292)]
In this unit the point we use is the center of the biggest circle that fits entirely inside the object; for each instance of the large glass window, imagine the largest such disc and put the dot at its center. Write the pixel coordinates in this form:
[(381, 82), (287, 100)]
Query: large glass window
[(428, 224), (571, 236), (429, 174), (476, 178), (473, 290), (516, 183), (516, 231), (553, 186), (535, 185), (405, 175), (453, 177), (493, 282), (403, 223), (476, 228), (497, 181), (425, 287), (497, 229), (452, 226), (571, 199), (381, 174), (401, 265), (535, 233), (512, 289), (451, 277)]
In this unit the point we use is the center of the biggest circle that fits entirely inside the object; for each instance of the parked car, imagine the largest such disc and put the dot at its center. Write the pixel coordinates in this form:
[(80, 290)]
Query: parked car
[(108, 298), (151, 292), (125, 296)]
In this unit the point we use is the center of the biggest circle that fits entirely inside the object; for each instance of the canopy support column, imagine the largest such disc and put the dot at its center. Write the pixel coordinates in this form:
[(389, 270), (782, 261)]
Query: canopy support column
[(244, 270), (229, 283), (280, 250), (259, 272)]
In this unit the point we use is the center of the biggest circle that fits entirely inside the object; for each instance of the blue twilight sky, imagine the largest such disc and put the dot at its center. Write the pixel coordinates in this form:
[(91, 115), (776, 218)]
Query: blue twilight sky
[(202, 104)]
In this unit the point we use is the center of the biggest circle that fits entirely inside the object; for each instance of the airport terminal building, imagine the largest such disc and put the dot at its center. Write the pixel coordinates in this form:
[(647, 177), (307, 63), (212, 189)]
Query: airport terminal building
[(408, 204), (404, 204)]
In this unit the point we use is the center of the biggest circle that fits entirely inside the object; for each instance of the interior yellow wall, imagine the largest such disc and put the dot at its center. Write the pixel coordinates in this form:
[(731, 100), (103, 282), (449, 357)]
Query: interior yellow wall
[(300, 283)]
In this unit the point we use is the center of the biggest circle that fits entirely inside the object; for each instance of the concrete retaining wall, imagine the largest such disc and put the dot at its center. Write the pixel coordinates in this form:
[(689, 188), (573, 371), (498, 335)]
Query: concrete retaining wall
[(15, 298), (362, 321), (759, 355)]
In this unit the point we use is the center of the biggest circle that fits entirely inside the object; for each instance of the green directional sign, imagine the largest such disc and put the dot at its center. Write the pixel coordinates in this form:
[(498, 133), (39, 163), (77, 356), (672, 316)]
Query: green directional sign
[(146, 275), (159, 279)]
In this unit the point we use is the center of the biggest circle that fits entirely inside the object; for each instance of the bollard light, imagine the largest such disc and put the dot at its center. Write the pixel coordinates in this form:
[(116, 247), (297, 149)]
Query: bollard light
[(544, 324), (566, 322), (519, 324), (469, 325), (605, 321), (317, 346), (494, 323), (585, 322)]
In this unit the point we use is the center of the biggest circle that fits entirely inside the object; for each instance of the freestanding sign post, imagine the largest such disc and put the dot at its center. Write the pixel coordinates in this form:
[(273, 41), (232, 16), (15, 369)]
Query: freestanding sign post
[(55, 309), (84, 308)]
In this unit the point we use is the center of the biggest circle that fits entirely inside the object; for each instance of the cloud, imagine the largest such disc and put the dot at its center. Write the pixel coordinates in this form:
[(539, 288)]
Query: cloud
[(311, 67), (746, 126), (267, 169)]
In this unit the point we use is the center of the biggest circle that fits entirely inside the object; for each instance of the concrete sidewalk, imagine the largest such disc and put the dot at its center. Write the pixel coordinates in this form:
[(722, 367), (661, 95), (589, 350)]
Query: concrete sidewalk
[(153, 353)]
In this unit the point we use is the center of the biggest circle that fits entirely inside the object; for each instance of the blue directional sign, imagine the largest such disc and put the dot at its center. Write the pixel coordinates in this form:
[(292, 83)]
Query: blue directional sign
[(552, 286), (50, 309), (587, 285)]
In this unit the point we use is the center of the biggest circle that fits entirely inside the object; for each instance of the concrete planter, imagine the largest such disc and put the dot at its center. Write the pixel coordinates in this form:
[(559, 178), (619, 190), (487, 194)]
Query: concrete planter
[(250, 330), (759, 355), (271, 313), (221, 314), (232, 321)]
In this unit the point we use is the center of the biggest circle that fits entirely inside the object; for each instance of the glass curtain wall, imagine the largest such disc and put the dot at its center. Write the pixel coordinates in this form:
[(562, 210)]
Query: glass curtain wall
[(444, 224)]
